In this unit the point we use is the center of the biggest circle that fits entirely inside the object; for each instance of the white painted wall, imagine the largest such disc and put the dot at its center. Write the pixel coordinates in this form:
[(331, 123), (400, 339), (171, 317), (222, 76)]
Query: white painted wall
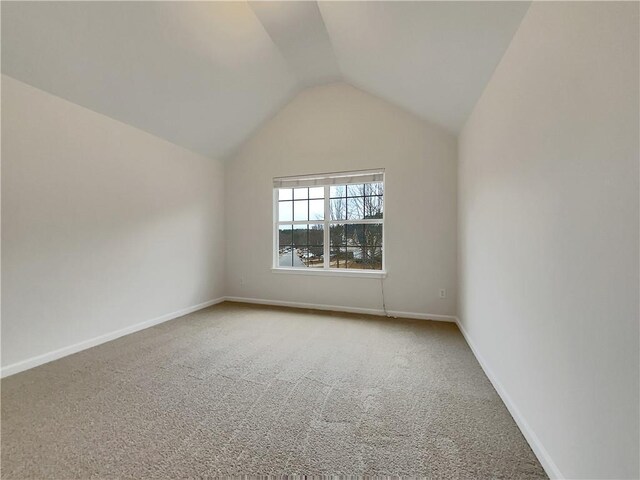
[(337, 128), (548, 224), (103, 225)]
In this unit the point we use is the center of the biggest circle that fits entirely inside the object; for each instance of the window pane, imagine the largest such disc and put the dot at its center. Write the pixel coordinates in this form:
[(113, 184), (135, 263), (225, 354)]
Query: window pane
[(316, 192), (337, 235), (354, 234), (355, 208), (285, 213), (373, 234), (316, 209), (285, 194), (313, 256), (285, 236), (300, 237), (354, 254), (337, 191), (316, 235), (343, 257), (355, 190), (301, 210), (373, 189), (307, 248), (338, 258), (286, 257), (373, 207), (373, 258), (301, 193), (338, 208), (364, 258), (361, 245)]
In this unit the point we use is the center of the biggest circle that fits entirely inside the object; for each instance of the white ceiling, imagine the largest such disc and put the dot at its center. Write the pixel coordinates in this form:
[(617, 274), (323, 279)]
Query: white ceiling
[(433, 58), (205, 75), (200, 74), (298, 31)]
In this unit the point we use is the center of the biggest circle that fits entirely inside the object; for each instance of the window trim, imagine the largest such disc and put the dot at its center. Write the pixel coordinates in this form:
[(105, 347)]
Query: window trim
[(332, 272), (326, 270)]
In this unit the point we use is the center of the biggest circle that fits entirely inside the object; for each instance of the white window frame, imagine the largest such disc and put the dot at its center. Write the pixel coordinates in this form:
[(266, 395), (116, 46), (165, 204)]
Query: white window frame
[(327, 222)]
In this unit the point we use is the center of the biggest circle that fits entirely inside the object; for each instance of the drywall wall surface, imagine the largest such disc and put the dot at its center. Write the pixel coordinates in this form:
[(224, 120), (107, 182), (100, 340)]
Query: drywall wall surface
[(336, 128), (103, 226), (548, 233)]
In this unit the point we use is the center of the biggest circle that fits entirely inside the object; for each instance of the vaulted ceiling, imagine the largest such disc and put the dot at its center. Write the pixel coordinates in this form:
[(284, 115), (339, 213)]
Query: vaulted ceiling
[(205, 75)]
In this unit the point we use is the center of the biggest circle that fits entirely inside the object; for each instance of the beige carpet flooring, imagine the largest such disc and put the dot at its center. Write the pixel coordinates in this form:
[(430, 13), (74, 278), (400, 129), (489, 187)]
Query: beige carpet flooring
[(238, 389)]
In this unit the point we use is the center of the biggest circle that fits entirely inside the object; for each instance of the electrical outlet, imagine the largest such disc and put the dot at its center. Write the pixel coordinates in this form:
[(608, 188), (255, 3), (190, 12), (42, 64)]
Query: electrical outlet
[(442, 293)]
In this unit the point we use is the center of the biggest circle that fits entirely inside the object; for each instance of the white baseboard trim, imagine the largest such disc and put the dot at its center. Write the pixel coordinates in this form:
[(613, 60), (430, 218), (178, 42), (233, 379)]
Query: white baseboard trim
[(338, 308), (71, 349), (545, 459)]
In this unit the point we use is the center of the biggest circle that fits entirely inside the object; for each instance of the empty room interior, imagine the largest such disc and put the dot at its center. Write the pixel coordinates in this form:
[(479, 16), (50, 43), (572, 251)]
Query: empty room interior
[(332, 238)]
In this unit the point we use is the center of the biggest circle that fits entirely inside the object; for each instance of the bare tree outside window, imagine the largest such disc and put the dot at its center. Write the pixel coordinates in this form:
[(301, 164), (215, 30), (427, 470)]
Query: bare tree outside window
[(355, 245)]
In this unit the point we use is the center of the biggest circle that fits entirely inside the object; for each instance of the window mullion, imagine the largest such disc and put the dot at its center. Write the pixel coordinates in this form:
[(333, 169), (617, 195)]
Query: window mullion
[(327, 253), (358, 221), (276, 232)]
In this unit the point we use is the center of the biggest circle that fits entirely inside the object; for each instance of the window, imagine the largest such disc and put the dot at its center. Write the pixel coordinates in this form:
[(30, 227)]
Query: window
[(330, 223)]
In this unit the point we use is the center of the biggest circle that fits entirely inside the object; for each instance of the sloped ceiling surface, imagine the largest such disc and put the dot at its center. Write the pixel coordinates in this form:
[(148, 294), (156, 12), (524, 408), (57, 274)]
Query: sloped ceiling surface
[(433, 58), (298, 31), (204, 75), (199, 74)]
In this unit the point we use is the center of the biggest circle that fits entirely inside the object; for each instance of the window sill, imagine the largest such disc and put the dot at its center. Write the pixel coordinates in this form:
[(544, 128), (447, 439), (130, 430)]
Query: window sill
[(331, 272)]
